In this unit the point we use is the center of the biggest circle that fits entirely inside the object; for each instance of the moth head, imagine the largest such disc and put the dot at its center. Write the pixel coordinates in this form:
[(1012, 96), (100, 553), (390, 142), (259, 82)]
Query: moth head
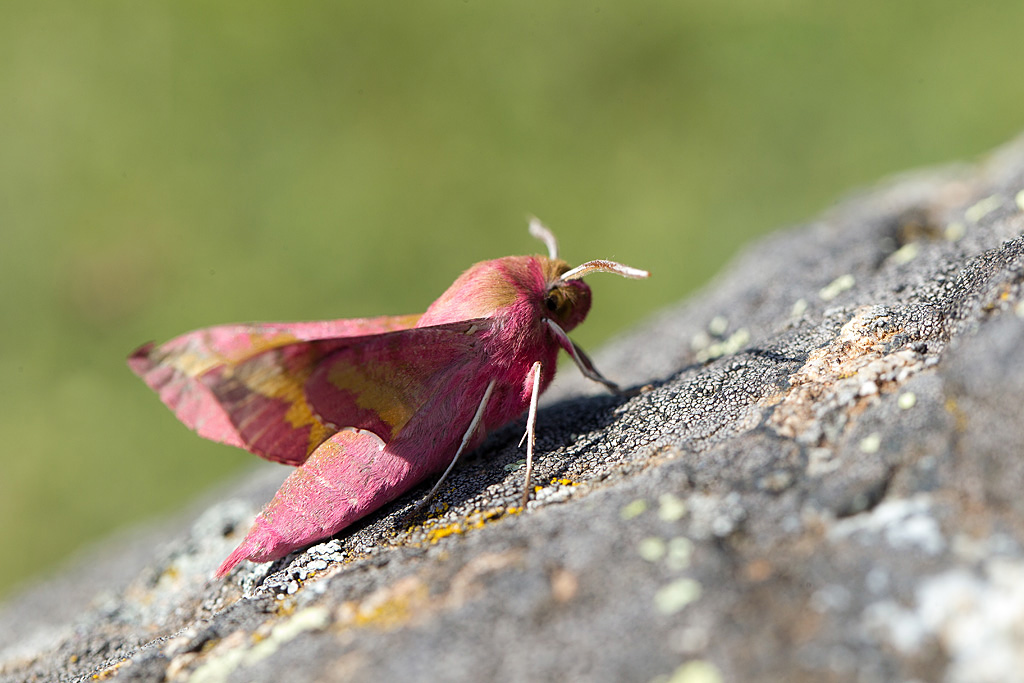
[(523, 288), (567, 298), (565, 302)]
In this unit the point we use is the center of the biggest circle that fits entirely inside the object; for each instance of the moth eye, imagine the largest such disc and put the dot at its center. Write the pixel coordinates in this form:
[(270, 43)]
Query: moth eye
[(551, 303)]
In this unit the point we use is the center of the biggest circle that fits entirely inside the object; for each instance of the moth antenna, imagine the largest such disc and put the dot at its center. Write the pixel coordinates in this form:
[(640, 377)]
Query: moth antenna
[(531, 429), (538, 230), (602, 266)]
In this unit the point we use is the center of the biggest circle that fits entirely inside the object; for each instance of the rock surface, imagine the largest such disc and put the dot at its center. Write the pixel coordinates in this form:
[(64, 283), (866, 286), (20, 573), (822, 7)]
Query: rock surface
[(822, 482)]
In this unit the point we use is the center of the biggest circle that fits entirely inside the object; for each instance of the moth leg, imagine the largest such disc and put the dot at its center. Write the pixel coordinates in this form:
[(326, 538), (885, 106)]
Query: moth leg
[(580, 357), (531, 424), (586, 366), (462, 446)]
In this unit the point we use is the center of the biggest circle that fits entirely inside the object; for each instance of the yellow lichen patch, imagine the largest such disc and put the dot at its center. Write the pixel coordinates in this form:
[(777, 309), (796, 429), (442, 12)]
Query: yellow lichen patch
[(241, 650), (179, 664), (209, 645), (216, 663), (953, 408), (409, 601), (262, 632), (170, 576), (285, 608), (439, 509), (476, 520), (316, 618), (109, 672), (564, 482), (435, 535), (387, 608)]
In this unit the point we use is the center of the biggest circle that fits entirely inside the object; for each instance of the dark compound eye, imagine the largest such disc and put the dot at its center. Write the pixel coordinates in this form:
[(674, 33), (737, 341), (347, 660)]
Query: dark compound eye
[(551, 303)]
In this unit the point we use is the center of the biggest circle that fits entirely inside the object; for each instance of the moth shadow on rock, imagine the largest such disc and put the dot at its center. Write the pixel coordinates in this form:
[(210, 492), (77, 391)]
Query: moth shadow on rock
[(492, 476)]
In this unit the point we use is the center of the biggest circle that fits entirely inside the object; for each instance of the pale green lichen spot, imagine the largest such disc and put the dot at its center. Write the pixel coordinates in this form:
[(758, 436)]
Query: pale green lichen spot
[(671, 508), (651, 549), (634, 509), (983, 208), (680, 552), (674, 597), (836, 287), (906, 400), (870, 443)]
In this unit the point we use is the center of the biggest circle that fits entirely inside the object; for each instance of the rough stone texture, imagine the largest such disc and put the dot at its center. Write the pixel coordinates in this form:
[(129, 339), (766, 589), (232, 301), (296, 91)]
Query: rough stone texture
[(820, 482)]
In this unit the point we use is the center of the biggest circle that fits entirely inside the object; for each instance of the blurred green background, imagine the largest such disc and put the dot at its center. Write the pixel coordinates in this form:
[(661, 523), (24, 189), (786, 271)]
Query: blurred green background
[(167, 166)]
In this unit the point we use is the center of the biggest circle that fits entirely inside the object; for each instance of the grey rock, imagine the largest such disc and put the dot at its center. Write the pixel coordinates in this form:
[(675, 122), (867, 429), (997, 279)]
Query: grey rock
[(821, 480)]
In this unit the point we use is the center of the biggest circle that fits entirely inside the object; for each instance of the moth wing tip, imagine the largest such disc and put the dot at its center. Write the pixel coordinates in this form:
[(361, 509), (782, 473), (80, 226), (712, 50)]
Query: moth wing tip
[(233, 559), (139, 360)]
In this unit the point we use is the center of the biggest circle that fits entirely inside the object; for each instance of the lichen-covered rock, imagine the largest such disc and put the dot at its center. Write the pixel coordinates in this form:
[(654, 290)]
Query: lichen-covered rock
[(821, 481)]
